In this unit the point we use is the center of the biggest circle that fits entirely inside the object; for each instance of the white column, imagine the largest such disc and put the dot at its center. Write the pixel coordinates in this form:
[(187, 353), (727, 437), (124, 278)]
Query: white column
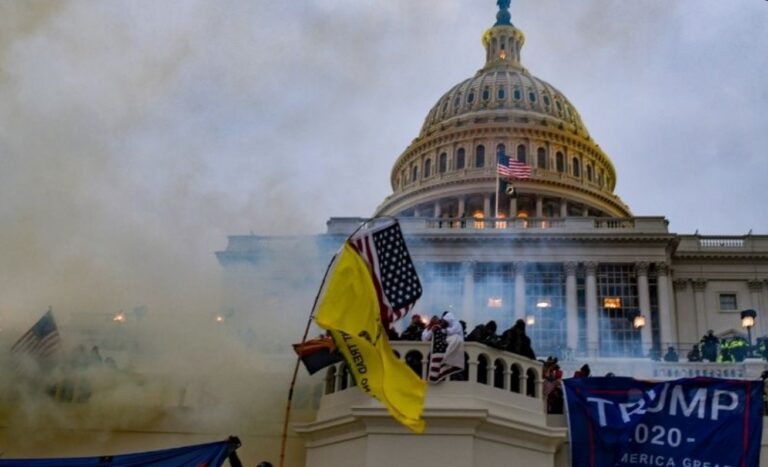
[(665, 317), (644, 300), (763, 312), (682, 294), (539, 206), (512, 207), (698, 299), (468, 306), (593, 339), (755, 290), (585, 211), (519, 290), (438, 210), (571, 307), (487, 206), (462, 208), (563, 208)]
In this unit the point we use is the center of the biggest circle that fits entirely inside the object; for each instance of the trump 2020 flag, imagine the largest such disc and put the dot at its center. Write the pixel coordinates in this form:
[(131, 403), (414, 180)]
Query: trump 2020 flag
[(200, 455), (624, 422), (350, 309)]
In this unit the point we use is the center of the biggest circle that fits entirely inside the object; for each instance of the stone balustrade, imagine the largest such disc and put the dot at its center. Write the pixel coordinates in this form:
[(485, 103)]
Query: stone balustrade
[(485, 365), (417, 225)]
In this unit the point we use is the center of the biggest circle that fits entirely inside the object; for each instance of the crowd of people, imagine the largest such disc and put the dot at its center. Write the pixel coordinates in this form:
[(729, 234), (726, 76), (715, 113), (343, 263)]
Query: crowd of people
[(513, 339), (72, 382)]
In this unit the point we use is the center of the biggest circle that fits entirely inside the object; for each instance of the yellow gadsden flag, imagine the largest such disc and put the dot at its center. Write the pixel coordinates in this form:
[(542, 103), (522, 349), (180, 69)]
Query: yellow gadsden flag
[(349, 309)]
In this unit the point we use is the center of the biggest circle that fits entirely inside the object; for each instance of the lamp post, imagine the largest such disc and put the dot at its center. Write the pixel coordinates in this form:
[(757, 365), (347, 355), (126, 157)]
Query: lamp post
[(638, 321), (747, 321)]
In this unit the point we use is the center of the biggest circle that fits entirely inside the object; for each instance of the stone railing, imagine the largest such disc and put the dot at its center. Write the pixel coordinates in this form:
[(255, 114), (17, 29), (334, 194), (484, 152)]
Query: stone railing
[(484, 365), (729, 243), (643, 368), (416, 225)]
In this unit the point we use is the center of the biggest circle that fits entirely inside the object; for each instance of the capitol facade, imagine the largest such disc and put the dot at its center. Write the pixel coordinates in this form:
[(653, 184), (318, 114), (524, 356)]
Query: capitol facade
[(558, 249)]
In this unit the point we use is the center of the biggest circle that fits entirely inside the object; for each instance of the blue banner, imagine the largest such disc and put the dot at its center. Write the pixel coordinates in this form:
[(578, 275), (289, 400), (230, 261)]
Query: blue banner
[(204, 455), (691, 422)]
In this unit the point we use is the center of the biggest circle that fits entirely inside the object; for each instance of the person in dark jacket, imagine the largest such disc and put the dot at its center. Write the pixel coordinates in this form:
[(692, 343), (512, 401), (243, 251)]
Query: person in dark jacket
[(414, 330), (518, 342)]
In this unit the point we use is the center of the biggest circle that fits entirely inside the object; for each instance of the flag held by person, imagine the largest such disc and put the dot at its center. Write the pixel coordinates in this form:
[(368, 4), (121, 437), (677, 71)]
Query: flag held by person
[(41, 340), (447, 356), (317, 354), (351, 309)]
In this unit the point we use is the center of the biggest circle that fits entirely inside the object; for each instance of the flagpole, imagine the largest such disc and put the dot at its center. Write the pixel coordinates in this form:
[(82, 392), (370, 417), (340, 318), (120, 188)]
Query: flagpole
[(287, 415)]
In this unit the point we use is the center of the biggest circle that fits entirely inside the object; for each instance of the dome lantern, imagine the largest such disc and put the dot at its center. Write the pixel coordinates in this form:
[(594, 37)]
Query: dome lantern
[(503, 41)]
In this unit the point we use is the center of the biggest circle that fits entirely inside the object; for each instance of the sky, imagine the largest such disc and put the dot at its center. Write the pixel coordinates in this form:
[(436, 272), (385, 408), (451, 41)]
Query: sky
[(135, 136)]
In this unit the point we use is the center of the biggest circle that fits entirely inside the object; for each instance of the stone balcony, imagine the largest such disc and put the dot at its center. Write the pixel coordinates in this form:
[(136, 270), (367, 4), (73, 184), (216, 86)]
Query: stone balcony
[(475, 226), (494, 414)]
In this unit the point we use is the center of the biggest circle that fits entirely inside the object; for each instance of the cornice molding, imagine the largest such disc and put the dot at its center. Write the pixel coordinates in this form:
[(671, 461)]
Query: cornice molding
[(609, 200)]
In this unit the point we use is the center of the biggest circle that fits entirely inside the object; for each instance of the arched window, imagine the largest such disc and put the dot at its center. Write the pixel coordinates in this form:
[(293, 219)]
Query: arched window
[(427, 168), (541, 158), (522, 154), (532, 96), (517, 94), (514, 379), (443, 163), (560, 162), (501, 150), (480, 156), (344, 383), (460, 158), (456, 102), (530, 383), (501, 94), (546, 100), (498, 373), (414, 174), (482, 369), (576, 167), (471, 97), (486, 93), (330, 380), (589, 172)]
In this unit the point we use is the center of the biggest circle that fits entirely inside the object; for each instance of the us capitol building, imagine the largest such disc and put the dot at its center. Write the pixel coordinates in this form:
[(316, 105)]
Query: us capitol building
[(595, 283)]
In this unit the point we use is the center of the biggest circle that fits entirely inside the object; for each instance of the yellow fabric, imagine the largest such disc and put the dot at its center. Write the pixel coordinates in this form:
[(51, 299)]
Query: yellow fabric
[(349, 308)]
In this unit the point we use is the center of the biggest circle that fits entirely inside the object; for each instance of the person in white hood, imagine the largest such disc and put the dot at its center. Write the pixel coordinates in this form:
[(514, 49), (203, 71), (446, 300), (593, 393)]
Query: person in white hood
[(447, 336)]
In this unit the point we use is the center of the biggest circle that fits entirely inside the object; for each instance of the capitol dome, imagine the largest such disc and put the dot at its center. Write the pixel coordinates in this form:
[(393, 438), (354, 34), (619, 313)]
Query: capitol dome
[(449, 170)]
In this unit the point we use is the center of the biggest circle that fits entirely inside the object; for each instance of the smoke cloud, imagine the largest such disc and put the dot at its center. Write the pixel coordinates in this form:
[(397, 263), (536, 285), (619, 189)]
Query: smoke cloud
[(134, 137)]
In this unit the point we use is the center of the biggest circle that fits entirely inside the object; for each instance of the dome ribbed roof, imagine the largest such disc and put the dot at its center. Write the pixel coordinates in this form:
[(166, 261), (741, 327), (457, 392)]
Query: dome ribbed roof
[(504, 89)]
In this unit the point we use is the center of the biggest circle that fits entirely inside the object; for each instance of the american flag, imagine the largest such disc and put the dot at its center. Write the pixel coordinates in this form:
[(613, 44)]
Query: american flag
[(507, 167), (42, 339), (438, 369), (394, 275)]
